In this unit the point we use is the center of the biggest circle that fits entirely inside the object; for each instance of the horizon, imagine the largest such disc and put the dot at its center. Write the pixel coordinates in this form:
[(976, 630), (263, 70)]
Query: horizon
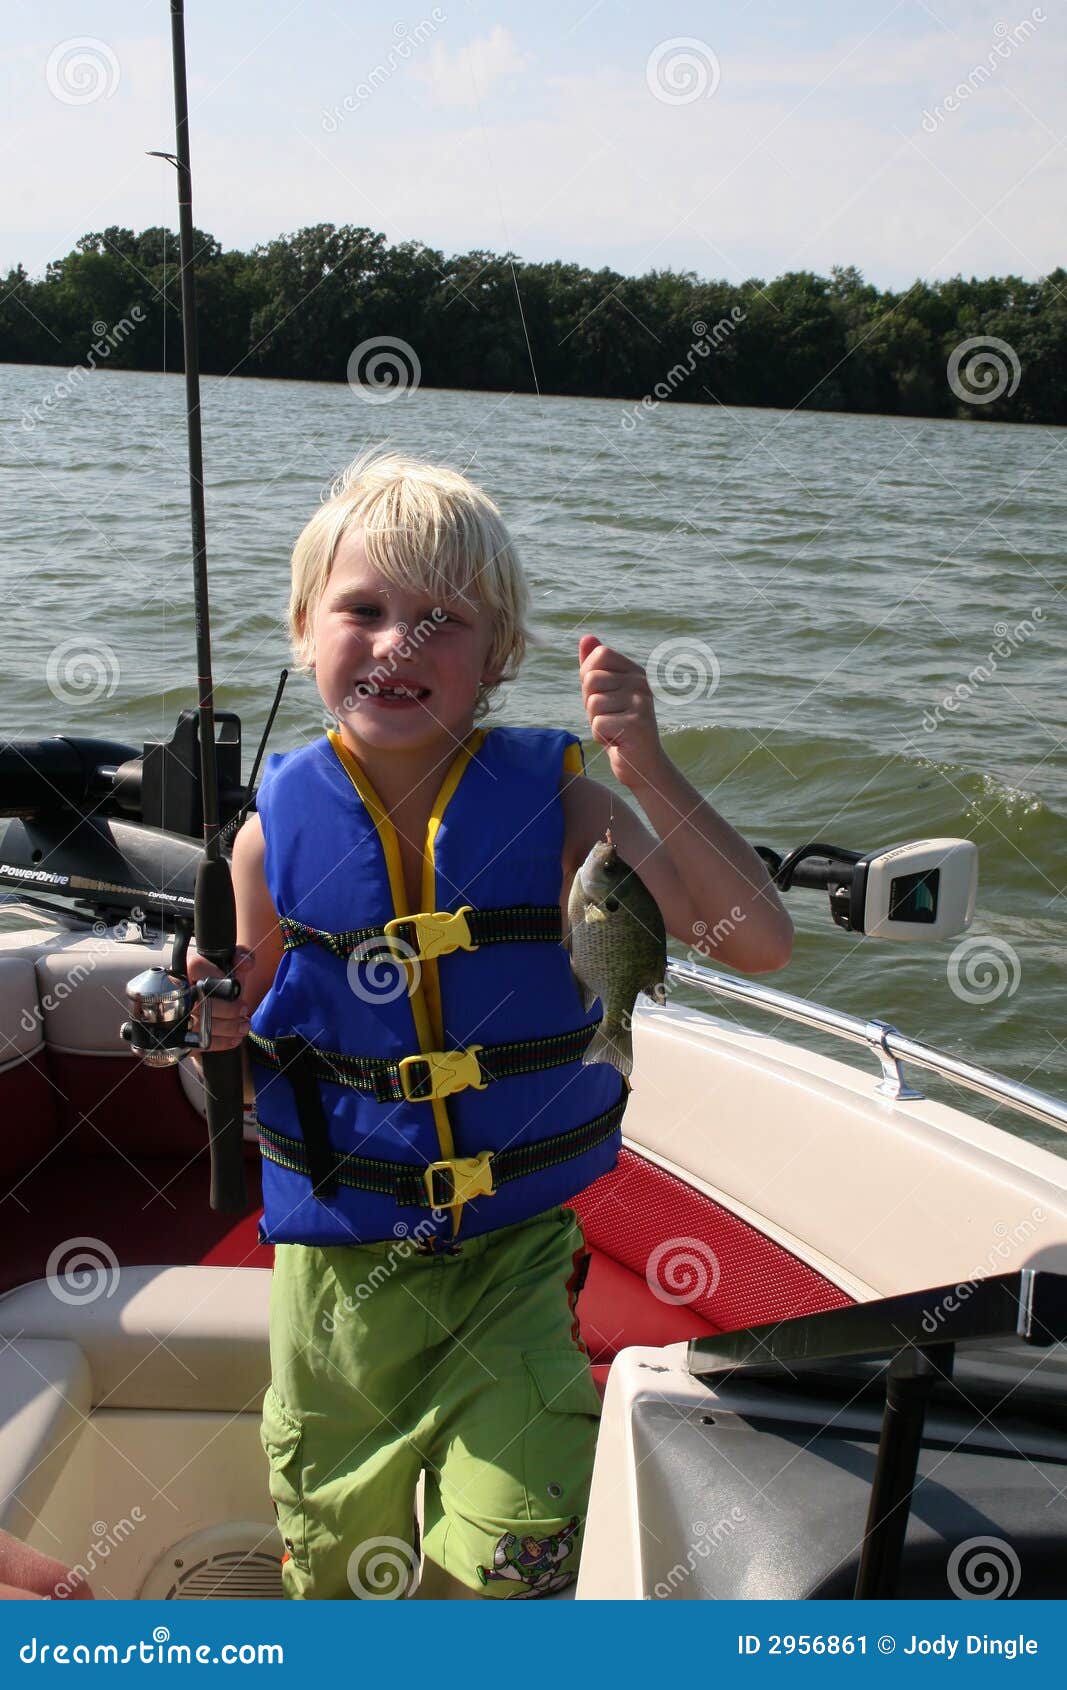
[(730, 145), (708, 278)]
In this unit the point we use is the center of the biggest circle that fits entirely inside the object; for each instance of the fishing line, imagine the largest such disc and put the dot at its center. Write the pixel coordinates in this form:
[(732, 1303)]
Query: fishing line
[(507, 239)]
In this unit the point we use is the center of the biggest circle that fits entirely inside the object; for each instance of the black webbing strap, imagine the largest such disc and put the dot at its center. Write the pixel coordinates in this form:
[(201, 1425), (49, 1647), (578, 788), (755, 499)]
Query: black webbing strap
[(296, 1057), (516, 923), (379, 1076), (408, 1184)]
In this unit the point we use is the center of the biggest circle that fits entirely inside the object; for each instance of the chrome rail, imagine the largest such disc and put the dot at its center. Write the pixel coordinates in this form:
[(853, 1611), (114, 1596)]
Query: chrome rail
[(891, 1046)]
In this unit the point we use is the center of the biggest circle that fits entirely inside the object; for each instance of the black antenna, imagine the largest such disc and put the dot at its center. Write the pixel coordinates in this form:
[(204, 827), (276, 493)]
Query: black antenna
[(215, 919)]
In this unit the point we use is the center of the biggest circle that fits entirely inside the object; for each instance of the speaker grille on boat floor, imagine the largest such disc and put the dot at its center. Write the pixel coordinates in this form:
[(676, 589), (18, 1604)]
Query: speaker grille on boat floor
[(235, 1562)]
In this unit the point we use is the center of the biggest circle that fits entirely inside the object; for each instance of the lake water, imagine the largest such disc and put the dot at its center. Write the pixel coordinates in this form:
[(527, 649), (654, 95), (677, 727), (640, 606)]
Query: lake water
[(850, 574)]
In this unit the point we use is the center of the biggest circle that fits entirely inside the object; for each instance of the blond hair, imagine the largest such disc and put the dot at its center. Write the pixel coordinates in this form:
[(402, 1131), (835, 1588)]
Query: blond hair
[(427, 528)]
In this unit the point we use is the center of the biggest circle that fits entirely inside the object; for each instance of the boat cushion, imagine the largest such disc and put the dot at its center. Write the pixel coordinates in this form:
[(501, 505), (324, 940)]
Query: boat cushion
[(157, 1337), (44, 1399), (21, 1015), (82, 981), (27, 1101)]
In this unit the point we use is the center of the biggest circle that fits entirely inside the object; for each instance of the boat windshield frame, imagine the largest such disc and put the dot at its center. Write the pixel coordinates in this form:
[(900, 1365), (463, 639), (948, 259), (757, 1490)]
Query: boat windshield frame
[(888, 1043)]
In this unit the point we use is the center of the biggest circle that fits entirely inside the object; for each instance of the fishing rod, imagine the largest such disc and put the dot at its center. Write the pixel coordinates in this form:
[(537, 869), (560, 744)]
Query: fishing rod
[(160, 1002)]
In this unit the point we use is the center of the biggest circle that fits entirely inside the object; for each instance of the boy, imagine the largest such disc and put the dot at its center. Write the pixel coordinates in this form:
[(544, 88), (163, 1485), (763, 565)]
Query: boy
[(424, 1112)]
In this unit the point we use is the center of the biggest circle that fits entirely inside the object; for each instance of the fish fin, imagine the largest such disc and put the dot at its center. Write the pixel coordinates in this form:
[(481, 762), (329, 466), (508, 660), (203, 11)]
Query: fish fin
[(614, 1044)]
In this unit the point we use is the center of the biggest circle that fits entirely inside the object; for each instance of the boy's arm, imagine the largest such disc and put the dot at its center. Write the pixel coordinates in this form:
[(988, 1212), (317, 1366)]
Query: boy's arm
[(258, 926), (702, 873), (259, 948)]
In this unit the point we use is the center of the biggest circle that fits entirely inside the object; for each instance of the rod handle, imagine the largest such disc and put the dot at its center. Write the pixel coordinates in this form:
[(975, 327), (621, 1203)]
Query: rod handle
[(223, 1070)]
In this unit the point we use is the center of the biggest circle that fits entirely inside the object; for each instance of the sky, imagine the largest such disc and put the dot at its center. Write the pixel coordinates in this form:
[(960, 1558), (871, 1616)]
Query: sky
[(911, 140)]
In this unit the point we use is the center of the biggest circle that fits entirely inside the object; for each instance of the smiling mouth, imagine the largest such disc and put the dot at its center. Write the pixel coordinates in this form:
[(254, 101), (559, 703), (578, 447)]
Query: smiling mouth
[(371, 689)]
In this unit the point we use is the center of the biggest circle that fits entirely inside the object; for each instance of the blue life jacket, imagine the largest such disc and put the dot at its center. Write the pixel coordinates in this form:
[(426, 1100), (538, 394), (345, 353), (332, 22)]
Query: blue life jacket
[(505, 1120)]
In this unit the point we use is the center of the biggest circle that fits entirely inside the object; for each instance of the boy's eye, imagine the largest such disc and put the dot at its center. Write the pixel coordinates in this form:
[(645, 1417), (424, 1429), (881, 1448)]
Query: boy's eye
[(439, 615), (435, 616)]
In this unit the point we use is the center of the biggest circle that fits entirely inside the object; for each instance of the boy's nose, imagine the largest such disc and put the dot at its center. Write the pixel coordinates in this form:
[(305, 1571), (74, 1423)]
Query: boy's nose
[(395, 639)]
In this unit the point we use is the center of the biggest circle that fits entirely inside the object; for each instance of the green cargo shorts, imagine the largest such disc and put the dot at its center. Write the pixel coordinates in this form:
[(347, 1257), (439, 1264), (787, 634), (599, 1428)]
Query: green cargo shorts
[(389, 1360)]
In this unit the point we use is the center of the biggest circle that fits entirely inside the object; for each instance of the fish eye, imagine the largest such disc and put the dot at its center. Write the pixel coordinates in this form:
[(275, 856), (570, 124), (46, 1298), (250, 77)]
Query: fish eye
[(611, 904)]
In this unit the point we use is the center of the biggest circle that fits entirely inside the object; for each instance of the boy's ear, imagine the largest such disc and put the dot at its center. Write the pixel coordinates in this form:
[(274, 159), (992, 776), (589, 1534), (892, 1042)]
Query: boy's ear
[(305, 640)]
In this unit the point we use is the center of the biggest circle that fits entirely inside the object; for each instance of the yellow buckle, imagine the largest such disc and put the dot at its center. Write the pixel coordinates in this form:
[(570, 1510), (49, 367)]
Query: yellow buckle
[(469, 1176), (449, 1071), (436, 932)]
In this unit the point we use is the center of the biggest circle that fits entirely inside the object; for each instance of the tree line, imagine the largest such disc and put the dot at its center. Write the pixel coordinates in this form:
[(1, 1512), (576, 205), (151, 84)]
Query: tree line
[(298, 306)]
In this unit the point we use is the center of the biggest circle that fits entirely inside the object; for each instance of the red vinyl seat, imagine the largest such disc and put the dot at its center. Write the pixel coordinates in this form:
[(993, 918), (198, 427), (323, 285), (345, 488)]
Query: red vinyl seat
[(669, 1263), (616, 1308)]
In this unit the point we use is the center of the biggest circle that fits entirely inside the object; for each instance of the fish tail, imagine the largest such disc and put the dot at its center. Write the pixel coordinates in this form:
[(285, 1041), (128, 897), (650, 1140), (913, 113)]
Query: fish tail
[(612, 1043)]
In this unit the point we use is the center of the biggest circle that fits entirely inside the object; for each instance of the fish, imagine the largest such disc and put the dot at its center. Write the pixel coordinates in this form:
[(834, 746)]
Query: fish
[(618, 947)]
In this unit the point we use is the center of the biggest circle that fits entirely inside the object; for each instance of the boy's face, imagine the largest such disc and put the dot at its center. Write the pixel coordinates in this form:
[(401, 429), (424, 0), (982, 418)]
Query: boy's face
[(372, 637)]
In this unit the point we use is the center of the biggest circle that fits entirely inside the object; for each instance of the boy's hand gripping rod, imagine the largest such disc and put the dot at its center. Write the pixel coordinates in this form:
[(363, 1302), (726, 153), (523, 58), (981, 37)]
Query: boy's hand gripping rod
[(161, 1002)]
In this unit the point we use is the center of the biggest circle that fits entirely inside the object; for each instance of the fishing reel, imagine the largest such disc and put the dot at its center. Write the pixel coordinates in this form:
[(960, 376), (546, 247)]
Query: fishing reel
[(161, 1003), (920, 889)]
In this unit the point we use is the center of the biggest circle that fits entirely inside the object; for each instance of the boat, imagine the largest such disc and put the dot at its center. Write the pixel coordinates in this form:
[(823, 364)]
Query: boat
[(767, 1195), (826, 1311)]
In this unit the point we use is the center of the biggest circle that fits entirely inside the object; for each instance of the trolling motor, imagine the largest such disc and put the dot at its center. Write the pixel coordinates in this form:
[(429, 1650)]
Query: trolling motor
[(920, 889), (82, 831), (90, 827), (110, 833), (161, 786)]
